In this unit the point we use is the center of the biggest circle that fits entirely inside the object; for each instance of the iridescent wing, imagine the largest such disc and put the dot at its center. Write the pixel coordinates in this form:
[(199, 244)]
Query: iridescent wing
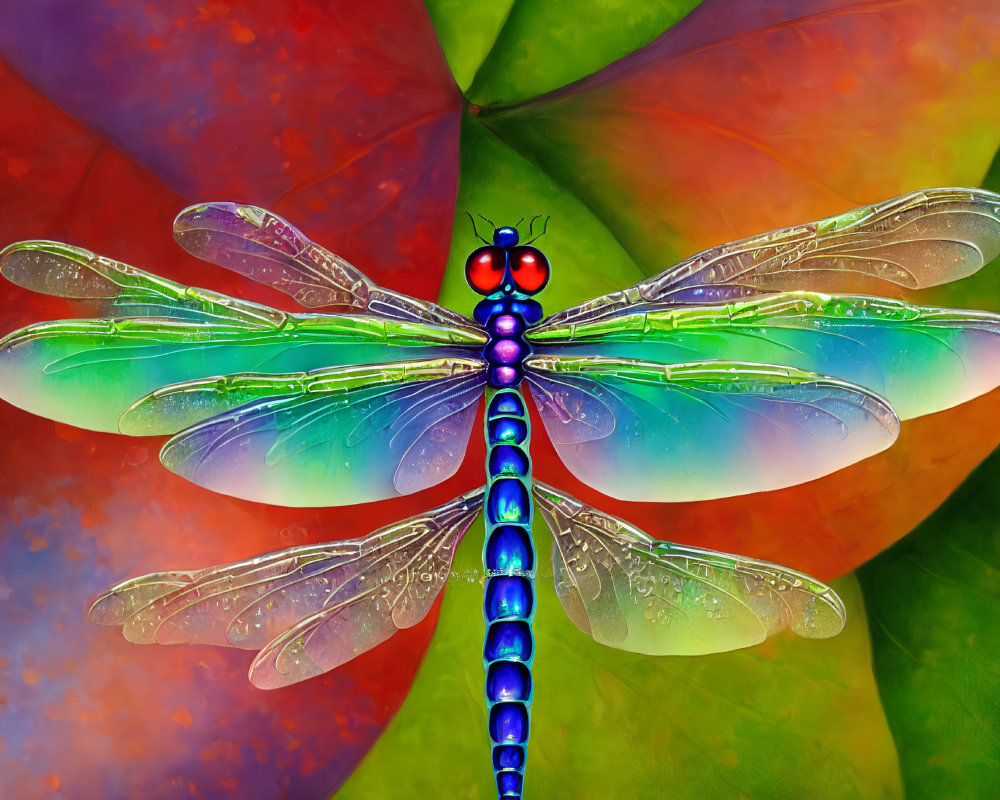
[(307, 609), (636, 593), (920, 359), (645, 431), (329, 437), (156, 332), (265, 248), (916, 240), (113, 289)]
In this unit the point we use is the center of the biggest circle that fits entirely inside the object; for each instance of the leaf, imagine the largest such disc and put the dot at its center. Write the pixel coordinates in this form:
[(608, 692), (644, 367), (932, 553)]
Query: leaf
[(504, 187), (932, 601), (706, 136), (467, 31), (826, 527), (273, 104), (545, 45)]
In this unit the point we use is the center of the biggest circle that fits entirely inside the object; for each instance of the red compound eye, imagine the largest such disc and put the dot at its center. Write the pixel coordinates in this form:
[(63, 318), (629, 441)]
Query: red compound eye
[(484, 269), (530, 269)]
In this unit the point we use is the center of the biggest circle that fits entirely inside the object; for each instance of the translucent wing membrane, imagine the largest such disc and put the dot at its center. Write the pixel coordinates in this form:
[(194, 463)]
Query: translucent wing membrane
[(265, 248), (921, 359), (917, 240), (87, 372), (644, 431), (307, 609), (119, 290), (636, 593), (329, 437)]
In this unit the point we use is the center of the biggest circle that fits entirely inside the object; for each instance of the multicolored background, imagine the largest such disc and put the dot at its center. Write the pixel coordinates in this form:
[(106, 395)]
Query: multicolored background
[(647, 131)]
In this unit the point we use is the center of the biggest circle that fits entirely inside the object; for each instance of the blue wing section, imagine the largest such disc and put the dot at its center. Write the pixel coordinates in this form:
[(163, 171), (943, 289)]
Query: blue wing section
[(329, 437), (644, 431)]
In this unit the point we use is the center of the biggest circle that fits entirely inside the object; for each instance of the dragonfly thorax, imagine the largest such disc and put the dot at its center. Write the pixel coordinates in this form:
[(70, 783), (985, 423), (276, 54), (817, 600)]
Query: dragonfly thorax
[(506, 318)]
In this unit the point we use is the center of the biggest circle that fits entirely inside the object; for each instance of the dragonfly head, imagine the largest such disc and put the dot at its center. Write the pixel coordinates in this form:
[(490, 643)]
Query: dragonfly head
[(507, 268), (506, 237)]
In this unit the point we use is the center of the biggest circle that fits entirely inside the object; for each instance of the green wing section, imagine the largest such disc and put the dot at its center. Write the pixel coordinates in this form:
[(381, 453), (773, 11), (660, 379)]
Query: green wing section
[(155, 332), (921, 359)]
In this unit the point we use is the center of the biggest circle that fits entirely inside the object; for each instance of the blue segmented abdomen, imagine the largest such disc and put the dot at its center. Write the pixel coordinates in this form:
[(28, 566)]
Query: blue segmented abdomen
[(509, 597)]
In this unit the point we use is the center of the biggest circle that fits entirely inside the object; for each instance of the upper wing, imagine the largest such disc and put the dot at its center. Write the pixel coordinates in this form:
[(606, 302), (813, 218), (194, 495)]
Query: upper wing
[(917, 240), (636, 593), (329, 437), (307, 609), (115, 289), (920, 359), (155, 332), (265, 248), (643, 431)]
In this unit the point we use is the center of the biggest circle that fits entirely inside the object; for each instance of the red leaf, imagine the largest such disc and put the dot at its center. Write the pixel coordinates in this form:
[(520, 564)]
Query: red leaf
[(84, 510)]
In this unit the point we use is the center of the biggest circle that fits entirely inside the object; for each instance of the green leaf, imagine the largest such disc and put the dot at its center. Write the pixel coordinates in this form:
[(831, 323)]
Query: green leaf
[(932, 602), (788, 719), (545, 44), (508, 51), (467, 32)]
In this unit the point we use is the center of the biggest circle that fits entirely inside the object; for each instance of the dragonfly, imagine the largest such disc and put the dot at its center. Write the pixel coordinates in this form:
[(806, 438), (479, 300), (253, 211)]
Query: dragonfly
[(745, 368)]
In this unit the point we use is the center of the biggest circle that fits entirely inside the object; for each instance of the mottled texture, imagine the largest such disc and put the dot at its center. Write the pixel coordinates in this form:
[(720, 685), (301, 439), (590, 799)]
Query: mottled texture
[(932, 601), (342, 116)]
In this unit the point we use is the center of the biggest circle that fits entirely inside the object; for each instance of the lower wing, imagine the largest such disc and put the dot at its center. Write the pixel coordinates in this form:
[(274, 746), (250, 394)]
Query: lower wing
[(311, 608), (307, 609), (636, 593)]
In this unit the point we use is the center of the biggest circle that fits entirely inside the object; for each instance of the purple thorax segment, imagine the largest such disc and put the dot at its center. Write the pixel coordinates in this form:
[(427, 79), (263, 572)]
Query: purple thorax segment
[(506, 319)]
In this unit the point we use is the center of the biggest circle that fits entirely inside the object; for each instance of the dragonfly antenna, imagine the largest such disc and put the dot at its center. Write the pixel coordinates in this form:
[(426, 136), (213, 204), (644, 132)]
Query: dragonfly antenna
[(473, 221), (531, 227)]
